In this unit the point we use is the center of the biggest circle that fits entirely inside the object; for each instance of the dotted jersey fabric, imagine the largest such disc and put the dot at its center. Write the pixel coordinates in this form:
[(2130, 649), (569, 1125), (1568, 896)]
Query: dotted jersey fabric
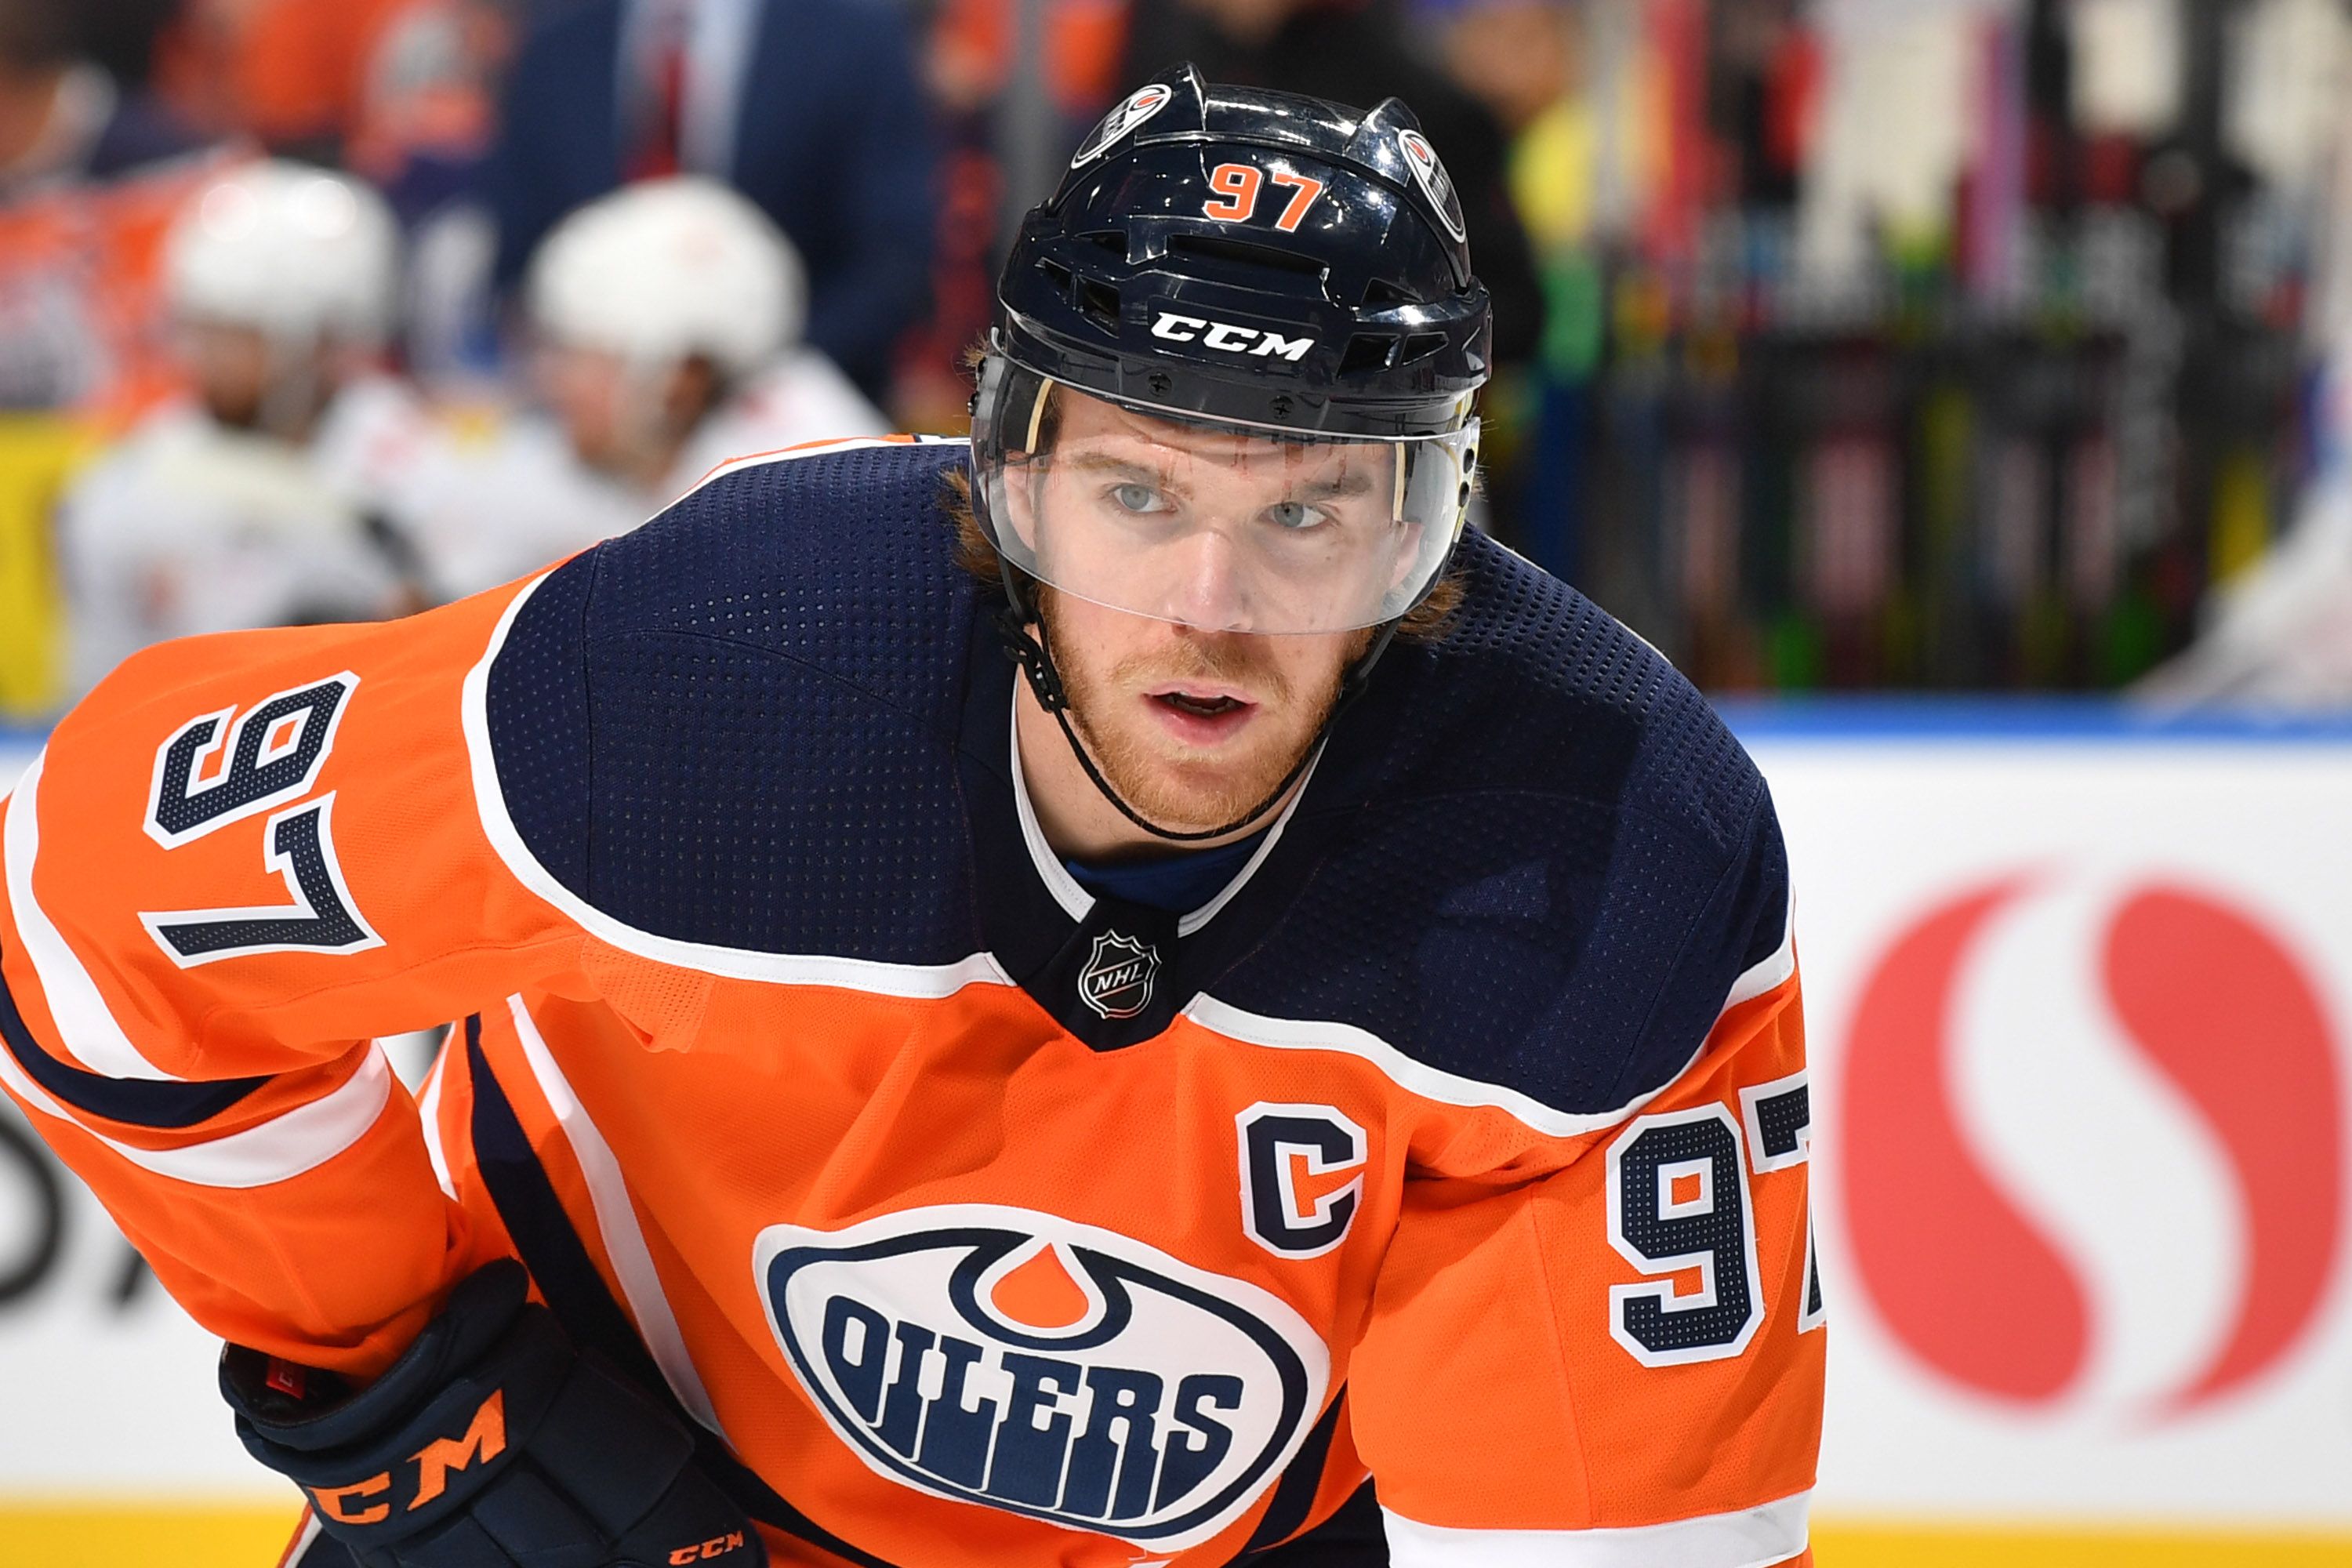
[(737, 725), (1547, 860), (1531, 855)]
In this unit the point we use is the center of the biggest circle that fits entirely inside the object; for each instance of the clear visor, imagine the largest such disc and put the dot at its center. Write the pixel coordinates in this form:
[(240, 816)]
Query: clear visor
[(1222, 526)]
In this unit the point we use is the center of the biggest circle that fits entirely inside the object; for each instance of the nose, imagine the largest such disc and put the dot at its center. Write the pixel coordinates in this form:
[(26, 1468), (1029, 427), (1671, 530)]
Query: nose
[(1208, 584)]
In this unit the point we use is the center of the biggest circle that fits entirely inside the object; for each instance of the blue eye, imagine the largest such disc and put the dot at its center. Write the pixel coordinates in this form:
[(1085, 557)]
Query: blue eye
[(1293, 516), (1137, 498)]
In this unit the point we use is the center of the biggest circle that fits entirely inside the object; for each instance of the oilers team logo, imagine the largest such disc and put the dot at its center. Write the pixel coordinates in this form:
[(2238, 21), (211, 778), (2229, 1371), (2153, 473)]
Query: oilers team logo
[(1435, 182), (1117, 980), (1028, 1363), (1140, 105)]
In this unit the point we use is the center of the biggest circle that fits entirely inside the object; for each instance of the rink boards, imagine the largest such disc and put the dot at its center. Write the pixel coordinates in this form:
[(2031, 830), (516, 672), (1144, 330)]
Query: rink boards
[(2079, 992)]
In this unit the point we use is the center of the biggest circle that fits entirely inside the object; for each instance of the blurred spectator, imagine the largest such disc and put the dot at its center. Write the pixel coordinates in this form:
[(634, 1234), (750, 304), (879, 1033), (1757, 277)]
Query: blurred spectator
[(970, 58), (1513, 55), (812, 108), (63, 117), (89, 175), (968, 66), (261, 499), (1357, 52), (121, 35), (400, 91), (2278, 635), (427, 107), (667, 320), (1519, 57), (289, 72)]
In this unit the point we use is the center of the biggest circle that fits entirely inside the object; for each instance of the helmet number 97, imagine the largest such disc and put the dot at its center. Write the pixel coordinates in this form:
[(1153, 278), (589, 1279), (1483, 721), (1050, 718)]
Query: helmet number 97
[(1238, 186)]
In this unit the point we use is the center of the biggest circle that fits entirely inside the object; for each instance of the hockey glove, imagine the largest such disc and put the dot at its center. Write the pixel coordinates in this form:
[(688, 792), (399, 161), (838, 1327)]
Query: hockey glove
[(490, 1443)]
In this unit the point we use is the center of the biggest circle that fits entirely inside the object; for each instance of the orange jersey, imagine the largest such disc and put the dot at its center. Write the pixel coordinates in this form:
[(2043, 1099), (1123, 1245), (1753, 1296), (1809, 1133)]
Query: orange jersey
[(82, 315), (1459, 1143)]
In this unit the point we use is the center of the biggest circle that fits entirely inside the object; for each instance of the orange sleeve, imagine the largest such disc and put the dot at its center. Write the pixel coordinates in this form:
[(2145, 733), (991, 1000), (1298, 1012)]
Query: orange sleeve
[(1620, 1362), (238, 862)]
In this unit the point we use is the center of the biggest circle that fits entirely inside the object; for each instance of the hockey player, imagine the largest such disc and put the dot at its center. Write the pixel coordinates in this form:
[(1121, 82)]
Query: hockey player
[(1300, 1064), (262, 498), (667, 325)]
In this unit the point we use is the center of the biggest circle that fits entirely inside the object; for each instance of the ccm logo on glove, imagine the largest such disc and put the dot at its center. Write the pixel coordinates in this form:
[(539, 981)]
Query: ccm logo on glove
[(719, 1547), (484, 1439)]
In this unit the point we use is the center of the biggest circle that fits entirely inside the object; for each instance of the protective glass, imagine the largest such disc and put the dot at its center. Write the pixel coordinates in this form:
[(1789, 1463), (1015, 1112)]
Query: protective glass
[(1220, 526)]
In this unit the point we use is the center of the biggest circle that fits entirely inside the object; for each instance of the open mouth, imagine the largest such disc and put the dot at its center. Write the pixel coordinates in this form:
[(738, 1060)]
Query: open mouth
[(1202, 714), (1199, 706)]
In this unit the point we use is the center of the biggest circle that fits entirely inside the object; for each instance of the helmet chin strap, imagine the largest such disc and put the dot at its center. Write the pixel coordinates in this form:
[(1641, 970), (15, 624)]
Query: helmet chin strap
[(1035, 655)]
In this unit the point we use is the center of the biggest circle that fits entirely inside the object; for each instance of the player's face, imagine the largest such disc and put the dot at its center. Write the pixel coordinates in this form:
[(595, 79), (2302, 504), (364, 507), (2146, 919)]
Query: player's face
[(583, 389), (1194, 727), (1214, 527), (628, 422), (247, 383)]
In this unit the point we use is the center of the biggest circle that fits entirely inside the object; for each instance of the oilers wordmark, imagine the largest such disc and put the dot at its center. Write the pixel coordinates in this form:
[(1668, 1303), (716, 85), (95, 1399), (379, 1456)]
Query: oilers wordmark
[(1027, 1362)]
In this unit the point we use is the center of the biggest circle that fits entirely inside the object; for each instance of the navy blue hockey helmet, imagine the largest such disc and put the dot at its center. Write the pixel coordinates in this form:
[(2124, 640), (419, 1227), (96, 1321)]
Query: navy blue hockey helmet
[(1266, 264)]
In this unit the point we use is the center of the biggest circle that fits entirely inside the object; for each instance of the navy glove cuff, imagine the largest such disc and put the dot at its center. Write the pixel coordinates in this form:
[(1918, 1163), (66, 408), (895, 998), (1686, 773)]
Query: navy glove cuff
[(490, 1442), (479, 1312)]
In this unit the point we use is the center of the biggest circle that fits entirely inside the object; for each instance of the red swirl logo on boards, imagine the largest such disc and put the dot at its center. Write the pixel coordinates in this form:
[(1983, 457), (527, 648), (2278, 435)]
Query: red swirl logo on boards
[(2221, 1009)]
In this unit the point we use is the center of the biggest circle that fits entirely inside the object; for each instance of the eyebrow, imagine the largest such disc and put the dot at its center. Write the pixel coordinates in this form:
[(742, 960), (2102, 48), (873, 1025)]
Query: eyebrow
[(1102, 463), (1354, 482)]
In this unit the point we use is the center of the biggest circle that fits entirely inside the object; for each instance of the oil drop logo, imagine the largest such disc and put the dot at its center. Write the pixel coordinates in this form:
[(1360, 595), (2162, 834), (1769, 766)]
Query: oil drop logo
[(1023, 1362)]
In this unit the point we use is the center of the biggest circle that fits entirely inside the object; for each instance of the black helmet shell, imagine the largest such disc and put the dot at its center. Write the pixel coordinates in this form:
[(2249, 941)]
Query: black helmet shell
[(1322, 286)]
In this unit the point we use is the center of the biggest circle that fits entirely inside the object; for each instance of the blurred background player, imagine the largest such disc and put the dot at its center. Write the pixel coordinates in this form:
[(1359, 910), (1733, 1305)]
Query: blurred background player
[(88, 166), (263, 496), (814, 111), (667, 322), (63, 116)]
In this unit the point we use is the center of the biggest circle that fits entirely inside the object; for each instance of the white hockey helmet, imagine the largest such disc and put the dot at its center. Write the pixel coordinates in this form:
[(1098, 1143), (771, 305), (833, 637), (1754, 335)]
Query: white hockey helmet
[(294, 250), (661, 271)]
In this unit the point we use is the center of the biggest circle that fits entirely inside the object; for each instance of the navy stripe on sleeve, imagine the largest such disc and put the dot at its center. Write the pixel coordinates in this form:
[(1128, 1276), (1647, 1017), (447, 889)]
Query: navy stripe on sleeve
[(136, 1102), (576, 1294)]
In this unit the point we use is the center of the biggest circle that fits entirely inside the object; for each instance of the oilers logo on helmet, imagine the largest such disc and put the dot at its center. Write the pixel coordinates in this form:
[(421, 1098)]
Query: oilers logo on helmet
[(1117, 980), (1435, 182), (1028, 1363), (1140, 105)]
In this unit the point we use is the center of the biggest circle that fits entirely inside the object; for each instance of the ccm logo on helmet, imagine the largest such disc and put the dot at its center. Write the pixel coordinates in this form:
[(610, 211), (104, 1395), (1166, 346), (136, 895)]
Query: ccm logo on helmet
[(1028, 1363), (1227, 338)]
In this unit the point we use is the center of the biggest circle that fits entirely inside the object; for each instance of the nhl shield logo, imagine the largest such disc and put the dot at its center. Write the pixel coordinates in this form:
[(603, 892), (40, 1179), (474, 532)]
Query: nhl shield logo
[(1117, 980)]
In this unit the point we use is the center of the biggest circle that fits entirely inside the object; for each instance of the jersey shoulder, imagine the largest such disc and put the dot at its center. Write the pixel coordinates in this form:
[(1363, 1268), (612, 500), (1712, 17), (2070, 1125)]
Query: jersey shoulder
[(736, 725), (1539, 860), (1572, 702)]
